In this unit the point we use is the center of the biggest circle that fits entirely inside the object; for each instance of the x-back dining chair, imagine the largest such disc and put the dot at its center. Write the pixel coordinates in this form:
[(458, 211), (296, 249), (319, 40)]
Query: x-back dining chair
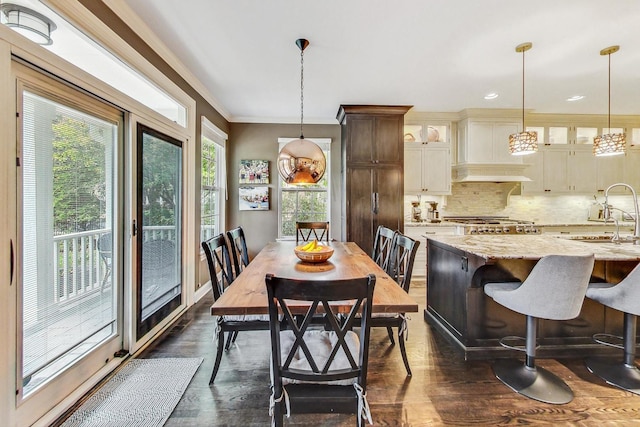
[(306, 231), (221, 273), (400, 267), (382, 246), (317, 371), (238, 247), (238, 244)]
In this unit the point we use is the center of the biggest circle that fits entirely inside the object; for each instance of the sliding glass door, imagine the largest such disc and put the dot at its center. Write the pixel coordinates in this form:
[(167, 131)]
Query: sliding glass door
[(69, 296), (158, 227)]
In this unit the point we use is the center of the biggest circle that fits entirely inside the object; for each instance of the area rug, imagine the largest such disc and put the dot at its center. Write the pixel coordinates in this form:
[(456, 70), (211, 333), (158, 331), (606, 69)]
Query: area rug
[(142, 393)]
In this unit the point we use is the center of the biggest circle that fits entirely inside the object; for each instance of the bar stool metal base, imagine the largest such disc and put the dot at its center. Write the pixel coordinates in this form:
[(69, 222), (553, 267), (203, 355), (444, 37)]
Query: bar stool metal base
[(616, 373), (535, 383)]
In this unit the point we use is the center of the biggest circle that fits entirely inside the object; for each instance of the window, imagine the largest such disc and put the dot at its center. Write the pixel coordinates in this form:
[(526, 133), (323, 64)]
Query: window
[(303, 203), (213, 181), (74, 46)]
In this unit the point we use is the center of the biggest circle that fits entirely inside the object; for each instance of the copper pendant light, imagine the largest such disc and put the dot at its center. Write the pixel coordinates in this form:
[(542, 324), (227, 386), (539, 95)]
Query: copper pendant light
[(301, 161)]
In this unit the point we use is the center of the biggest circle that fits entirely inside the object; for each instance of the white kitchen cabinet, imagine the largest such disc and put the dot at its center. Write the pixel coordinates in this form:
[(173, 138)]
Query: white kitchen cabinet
[(612, 169), (486, 142), (632, 168), (548, 170), (582, 170), (535, 172), (418, 232), (427, 168), (572, 168), (555, 171)]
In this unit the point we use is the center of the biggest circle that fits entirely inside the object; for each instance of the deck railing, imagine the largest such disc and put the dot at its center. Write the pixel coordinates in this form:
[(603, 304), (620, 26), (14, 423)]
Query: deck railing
[(82, 268)]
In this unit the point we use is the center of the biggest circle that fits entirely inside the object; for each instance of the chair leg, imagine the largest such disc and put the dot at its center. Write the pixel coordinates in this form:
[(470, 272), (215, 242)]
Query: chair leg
[(235, 335), (105, 278), (278, 414), (229, 340), (216, 365), (528, 379), (625, 375), (403, 351), (390, 333)]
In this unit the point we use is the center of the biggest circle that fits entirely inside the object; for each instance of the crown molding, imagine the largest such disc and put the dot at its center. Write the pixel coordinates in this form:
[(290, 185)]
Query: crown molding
[(137, 25)]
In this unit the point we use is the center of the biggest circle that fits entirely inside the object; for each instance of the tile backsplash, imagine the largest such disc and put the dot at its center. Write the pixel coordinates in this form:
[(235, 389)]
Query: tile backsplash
[(504, 199)]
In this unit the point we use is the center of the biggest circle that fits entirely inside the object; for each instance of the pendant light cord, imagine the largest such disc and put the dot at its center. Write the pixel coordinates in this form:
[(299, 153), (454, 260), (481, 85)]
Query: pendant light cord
[(609, 111), (301, 91), (523, 127)]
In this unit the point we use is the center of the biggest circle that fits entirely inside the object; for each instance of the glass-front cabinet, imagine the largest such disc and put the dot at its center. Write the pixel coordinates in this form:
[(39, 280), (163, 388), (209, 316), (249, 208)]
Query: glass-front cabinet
[(426, 133), (427, 157), (580, 135), (565, 162)]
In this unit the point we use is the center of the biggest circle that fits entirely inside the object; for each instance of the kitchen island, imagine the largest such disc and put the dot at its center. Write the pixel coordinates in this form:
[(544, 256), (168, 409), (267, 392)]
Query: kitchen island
[(460, 266)]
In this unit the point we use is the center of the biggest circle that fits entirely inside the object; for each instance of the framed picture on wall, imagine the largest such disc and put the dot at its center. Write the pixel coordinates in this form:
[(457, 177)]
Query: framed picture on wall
[(254, 172), (253, 198)]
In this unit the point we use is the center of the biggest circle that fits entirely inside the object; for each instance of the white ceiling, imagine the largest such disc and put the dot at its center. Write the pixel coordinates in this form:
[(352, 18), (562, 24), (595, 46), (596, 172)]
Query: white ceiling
[(437, 55)]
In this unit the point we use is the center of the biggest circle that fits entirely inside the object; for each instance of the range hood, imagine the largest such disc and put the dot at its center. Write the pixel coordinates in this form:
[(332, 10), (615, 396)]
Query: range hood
[(489, 172)]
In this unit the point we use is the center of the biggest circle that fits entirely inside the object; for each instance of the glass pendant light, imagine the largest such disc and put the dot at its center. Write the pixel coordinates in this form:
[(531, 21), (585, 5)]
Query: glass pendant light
[(609, 144), (525, 142), (301, 161)]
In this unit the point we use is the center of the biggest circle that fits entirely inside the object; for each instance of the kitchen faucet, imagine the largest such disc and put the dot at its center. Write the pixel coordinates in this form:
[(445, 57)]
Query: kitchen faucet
[(636, 219)]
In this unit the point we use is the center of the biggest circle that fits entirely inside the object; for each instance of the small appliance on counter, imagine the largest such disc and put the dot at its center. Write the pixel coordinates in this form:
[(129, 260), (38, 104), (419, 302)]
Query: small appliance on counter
[(416, 212), (432, 214), (596, 211)]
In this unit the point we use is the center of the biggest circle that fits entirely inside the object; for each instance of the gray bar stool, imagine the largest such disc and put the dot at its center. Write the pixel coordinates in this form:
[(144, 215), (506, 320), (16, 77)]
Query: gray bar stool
[(554, 290), (624, 297)]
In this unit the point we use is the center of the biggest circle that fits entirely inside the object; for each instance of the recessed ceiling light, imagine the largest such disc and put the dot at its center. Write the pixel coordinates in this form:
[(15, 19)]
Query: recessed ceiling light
[(575, 98), (491, 95)]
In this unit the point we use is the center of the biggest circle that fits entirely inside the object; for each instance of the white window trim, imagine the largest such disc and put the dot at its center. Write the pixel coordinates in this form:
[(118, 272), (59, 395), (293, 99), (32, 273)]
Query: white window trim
[(88, 23), (213, 133), (325, 145), (139, 26)]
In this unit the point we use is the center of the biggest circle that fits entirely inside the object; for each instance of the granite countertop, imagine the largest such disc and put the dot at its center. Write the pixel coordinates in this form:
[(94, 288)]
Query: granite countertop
[(536, 246), (425, 223)]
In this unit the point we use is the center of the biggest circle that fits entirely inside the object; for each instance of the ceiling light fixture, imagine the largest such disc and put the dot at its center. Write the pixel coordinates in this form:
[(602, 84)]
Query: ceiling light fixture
[(31, 24), (525, 142), (609, 144), (301, 161), (491, 95), (575, 98)]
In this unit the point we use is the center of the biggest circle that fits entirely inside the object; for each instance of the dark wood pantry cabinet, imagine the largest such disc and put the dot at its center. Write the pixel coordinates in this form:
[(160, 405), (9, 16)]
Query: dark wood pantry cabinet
[(372, 170)]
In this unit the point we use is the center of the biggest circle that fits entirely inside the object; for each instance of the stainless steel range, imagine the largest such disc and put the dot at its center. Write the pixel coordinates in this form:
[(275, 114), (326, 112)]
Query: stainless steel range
[(492, 225)]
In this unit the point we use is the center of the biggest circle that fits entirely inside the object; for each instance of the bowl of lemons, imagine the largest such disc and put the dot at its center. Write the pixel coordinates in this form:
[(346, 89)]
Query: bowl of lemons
[(313, 252)]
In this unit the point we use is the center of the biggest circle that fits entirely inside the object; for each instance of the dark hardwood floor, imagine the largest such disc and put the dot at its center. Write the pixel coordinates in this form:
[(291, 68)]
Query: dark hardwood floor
[(444, 389)]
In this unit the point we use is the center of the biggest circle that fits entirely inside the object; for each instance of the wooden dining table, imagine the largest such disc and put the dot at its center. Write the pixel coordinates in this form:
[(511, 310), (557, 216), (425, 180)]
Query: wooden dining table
[(248, 293)]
